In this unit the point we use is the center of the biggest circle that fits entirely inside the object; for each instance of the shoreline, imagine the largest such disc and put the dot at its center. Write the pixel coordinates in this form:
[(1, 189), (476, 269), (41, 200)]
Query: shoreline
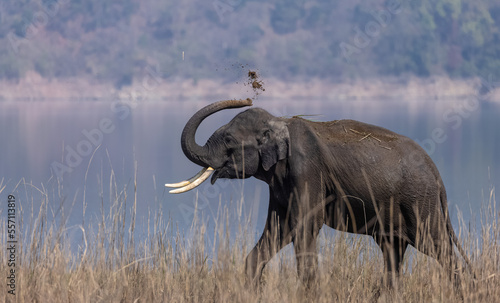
[(35, 88)]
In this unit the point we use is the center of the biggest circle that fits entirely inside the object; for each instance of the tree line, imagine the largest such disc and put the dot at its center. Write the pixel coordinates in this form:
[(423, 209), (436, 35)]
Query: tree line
[(114, 41)]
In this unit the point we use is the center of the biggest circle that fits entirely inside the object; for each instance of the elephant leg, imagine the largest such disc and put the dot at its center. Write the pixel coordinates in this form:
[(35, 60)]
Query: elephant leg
[(436, 243), (393, 257), (444, 254), (449, 262), (272, 240), (304, 244)]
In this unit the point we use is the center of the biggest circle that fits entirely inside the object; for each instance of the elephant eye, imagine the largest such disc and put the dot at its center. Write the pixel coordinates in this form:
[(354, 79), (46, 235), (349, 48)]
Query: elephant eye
[(264, 137), (229, 140)]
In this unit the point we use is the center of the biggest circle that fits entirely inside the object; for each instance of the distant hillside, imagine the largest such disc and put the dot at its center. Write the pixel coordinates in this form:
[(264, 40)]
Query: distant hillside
[(118, 41)]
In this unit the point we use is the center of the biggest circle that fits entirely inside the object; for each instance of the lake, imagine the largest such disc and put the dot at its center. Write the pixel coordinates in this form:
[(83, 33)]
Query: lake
[(82, 154)]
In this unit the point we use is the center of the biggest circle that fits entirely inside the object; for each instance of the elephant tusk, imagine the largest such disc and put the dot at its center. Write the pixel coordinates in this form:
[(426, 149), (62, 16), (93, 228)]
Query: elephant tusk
[(187, 182), (191, 183)]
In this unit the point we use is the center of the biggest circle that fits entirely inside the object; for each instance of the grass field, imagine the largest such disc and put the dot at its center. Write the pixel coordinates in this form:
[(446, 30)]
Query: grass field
[(166, 265)]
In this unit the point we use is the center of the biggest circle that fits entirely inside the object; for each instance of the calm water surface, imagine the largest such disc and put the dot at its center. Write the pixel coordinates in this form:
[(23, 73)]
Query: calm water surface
[(72, 148)]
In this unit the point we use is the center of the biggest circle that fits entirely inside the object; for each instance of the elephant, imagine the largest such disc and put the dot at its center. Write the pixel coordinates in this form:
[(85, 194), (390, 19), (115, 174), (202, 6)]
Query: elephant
[(348, 175)]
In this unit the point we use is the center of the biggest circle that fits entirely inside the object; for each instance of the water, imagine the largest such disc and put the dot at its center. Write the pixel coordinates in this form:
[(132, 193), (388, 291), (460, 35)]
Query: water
[(72, 149)]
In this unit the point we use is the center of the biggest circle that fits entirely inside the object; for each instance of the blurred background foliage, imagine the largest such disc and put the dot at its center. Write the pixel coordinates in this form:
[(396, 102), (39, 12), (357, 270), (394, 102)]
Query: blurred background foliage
[(113, 41)]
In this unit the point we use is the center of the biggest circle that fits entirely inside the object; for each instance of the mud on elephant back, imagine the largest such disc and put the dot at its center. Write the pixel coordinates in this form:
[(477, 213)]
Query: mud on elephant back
[(351, 176)]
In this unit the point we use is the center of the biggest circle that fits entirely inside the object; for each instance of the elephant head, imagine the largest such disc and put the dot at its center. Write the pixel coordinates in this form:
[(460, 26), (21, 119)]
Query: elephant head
[(252, 142)]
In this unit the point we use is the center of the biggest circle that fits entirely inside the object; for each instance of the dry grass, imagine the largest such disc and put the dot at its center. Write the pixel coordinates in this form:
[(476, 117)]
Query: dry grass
[(165, 265)]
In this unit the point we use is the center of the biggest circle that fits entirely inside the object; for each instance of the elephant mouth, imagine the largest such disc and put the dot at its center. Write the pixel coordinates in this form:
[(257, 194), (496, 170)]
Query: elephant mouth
[(195, 181), (220, 173)]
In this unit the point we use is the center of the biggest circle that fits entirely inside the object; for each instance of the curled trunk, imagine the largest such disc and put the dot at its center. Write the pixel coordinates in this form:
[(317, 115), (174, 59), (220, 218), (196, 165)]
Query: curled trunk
[(194, 152)]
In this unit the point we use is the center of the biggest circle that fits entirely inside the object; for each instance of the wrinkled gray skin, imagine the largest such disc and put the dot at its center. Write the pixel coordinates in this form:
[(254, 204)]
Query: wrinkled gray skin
[(330, 173)]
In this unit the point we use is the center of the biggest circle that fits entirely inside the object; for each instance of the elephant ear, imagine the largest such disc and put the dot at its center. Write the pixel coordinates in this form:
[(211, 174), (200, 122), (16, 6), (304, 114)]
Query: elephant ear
[(274, 144)]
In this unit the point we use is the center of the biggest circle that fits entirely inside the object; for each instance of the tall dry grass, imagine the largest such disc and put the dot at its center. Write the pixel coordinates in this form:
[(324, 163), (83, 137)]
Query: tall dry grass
[(206, 264)]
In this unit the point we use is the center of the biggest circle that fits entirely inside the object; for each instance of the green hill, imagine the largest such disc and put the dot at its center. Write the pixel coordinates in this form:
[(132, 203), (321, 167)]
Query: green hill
[(113, 41)]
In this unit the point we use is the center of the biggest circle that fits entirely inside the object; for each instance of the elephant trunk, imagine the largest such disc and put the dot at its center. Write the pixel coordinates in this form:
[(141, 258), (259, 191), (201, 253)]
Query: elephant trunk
[(194, 152)]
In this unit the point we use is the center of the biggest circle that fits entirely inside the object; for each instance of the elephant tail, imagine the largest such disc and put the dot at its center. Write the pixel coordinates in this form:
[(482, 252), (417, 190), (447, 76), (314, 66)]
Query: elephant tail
[(449, 227)]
